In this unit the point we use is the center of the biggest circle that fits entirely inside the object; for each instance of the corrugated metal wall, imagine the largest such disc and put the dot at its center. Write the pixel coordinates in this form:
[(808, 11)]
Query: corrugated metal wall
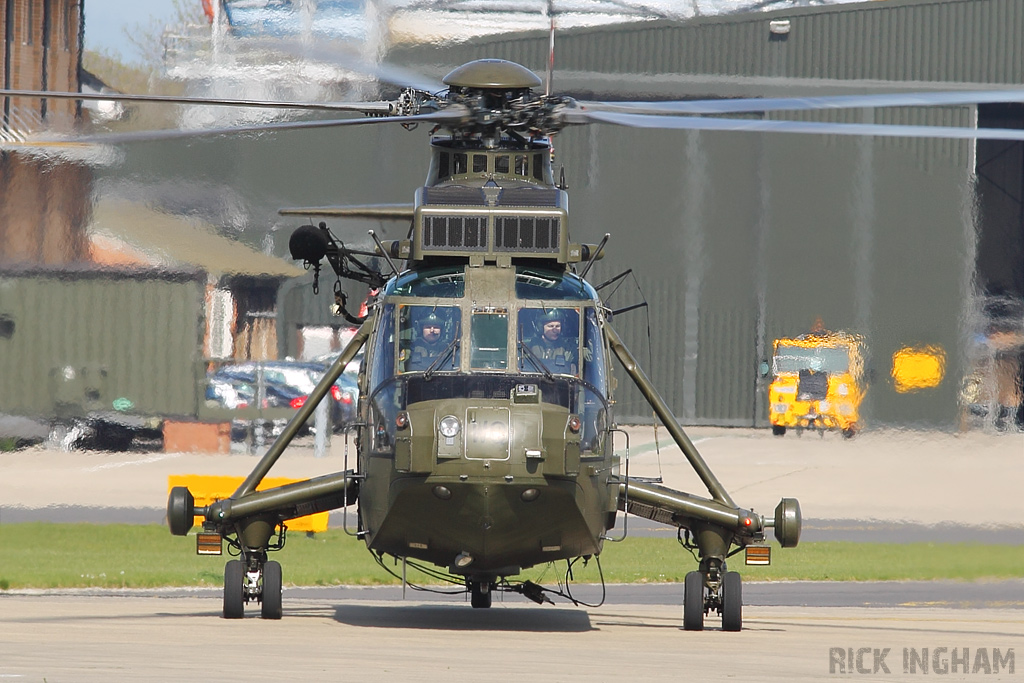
[(738, 239), (84, 339), (897, 40)]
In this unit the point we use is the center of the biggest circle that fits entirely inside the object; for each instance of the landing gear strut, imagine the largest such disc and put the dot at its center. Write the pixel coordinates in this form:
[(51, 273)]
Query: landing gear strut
[(254, 579)]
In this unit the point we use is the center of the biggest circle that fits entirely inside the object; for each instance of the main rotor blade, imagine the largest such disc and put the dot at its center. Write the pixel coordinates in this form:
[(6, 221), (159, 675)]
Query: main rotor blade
[(378, 211), (751, 105), (451, 114), (381, 71), (807, 127), (364, 107)]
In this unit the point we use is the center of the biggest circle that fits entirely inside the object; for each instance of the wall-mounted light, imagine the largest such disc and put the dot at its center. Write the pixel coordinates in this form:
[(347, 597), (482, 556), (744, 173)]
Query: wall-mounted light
[(778, 27)]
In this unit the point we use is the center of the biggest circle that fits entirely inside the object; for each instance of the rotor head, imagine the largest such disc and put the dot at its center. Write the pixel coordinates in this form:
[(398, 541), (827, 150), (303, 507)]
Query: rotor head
[(492, 74)]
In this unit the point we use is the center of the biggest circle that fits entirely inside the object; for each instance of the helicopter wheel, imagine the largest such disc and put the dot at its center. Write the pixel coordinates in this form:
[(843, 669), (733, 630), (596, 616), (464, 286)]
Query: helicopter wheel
[(693, 602), (270, 607), (234, 598), (480, 594), (732, 601), (778, 430)]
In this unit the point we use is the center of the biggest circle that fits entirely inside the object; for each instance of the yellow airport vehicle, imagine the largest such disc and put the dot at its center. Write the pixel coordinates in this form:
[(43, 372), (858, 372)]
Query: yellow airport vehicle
[(818, 382)]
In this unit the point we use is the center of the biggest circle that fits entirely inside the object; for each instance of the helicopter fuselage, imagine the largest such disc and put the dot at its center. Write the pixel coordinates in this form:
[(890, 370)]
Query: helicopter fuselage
[(470, 458)]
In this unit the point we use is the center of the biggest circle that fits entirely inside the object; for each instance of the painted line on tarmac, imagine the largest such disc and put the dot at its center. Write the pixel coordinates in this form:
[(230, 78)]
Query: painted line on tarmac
[(141, 461), (651, 446), (778, 476)]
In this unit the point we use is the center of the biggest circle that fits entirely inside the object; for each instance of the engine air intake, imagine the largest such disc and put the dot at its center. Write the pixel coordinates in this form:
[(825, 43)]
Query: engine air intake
[(455, 232), (526, 234)]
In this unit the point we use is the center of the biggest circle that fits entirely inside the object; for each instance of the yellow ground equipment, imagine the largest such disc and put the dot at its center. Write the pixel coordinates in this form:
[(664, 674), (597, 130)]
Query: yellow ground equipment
[(208, 489), (818, 382)]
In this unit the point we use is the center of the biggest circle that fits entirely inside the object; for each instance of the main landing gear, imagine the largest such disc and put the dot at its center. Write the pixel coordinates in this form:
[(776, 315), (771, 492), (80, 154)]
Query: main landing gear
[(710, 589), (252, 579)]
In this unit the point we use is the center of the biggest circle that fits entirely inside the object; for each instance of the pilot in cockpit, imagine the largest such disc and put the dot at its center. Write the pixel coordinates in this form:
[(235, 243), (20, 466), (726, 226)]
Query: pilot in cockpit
[(430, 343), (555, 346)]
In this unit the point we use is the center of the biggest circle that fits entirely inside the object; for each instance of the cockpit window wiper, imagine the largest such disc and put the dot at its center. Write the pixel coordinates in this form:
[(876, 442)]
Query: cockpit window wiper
[(442, 357), (532, 357)]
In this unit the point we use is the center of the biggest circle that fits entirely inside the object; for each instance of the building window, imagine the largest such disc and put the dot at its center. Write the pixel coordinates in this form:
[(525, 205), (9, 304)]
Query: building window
[(68, 7), (27, 16)]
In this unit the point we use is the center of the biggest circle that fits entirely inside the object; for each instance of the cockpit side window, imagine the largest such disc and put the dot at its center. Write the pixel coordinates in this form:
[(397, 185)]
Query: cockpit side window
[(382, 366), (522, 166), (550, 340), (429, 338), (595, 370)]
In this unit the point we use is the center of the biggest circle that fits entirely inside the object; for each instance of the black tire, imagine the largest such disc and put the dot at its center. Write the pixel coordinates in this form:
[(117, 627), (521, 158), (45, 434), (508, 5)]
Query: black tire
[(778, 430), (480, 594), (270, 607), (849, 433), (732, 601), (693, 602), (234, 598)]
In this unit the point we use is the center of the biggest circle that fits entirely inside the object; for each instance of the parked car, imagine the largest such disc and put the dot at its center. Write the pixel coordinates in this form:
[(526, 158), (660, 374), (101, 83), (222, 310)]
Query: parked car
[(290, 383), (228, 393), (345, 393)]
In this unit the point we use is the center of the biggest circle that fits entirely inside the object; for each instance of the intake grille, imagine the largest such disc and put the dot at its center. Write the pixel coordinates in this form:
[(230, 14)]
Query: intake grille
[(813, 386), (526, 233), (455, 232), (528, 196), (454, 195)]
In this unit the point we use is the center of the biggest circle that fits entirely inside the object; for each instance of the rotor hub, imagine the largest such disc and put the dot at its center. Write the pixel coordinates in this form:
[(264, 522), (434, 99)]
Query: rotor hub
[(492, 74)]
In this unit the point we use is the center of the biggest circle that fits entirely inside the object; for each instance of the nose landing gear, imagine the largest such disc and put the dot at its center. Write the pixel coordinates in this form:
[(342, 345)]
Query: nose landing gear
[(480, 593)]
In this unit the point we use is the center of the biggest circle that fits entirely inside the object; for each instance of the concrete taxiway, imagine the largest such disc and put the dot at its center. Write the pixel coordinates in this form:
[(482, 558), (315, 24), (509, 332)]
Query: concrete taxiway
[(85, 638)]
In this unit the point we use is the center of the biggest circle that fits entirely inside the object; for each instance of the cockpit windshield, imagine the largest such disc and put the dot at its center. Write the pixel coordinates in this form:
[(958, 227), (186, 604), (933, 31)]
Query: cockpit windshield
[(448, 282), (829, 359), (429, 338), (489, 339), (549, 341), (537, 283)]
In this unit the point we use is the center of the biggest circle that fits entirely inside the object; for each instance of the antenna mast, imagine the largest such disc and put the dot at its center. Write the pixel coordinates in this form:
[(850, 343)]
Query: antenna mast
[(551, 47)]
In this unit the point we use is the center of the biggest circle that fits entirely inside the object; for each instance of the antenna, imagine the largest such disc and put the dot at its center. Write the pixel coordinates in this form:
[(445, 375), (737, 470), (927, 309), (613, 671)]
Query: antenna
[(594, 255), (383, 251), (551, 47)]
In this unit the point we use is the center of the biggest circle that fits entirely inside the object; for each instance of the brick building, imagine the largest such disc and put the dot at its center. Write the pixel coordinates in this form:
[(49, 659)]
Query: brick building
[(44, 193)]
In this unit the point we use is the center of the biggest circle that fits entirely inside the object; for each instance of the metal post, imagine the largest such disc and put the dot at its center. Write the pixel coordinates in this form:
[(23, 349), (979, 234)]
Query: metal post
[(322, 425)]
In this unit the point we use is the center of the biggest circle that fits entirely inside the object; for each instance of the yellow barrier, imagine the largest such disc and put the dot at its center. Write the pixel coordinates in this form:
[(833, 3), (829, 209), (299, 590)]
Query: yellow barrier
[(207, 489), (916, 368)]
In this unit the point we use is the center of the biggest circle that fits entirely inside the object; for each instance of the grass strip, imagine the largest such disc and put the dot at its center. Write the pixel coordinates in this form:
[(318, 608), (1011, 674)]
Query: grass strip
[(46, 555)]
